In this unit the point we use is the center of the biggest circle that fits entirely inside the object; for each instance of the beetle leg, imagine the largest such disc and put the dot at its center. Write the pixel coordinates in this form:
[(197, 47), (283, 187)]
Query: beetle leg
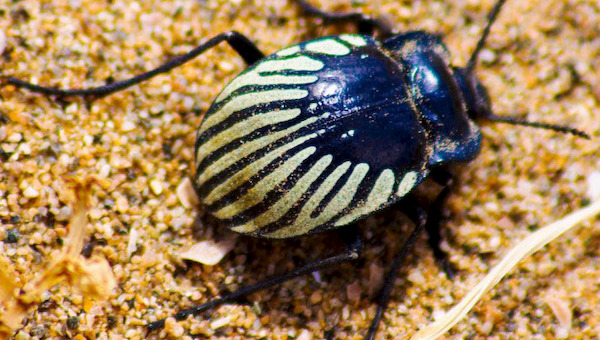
[(434, 218), (366, 24), (419, 216), (354, 244), (240, 43)]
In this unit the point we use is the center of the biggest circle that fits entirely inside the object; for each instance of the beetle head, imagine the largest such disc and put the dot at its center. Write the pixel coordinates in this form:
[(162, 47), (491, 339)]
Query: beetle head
[(476, 96)]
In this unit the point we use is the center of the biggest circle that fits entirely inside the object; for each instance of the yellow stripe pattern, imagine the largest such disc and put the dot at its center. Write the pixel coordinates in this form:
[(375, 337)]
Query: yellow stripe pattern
[(324, 190)]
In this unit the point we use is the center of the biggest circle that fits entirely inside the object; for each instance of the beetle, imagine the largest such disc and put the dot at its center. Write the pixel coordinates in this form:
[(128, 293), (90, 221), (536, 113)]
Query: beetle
[(292, 145)]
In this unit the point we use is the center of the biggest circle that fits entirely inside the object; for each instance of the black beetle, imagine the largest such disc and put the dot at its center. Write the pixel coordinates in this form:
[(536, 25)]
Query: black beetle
[(293, 145)]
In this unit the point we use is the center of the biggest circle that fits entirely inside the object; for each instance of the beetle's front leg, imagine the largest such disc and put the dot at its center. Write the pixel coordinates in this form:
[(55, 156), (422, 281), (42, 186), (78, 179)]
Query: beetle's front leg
[(240, 43)]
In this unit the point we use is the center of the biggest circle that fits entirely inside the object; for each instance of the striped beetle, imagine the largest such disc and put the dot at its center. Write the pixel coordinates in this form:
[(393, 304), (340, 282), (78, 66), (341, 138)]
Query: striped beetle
[(291, 146)]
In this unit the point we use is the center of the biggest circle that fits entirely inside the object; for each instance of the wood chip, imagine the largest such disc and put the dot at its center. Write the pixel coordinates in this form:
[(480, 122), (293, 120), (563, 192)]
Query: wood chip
[(186, 194), (561, 308), (132, 243), (208, 252)]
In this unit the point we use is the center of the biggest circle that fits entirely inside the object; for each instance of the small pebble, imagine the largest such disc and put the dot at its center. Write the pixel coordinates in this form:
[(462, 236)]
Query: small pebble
[(315, 297), (73, 322), (122, 204), (218, 323), (128, 126), (174, 328), (38, 331), (562, 333), (64, 213), (226, 66), (416, 277), (15, 138), (487, 327), (156, 187), (305, 335), (2, 41), (22, 336), (487, 56), (593, 182), (132, 242), (12, 236), (31, 192)]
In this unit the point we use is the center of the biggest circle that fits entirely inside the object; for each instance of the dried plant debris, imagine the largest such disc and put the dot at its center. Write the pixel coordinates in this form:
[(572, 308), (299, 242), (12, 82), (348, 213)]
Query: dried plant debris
[(92, 277), (532, 243)]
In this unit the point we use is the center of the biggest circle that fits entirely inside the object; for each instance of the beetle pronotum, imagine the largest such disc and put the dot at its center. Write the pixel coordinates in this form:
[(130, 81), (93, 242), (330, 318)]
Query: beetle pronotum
[(396, 189)]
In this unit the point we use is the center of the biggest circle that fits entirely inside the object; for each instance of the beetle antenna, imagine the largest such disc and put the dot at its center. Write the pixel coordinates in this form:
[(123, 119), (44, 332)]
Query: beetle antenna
[(468, 72), (553, 127), (491, 18)]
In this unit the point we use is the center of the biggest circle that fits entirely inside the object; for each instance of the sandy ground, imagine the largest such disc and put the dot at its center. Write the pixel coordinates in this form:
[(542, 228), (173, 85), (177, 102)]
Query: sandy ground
[(542, 63)]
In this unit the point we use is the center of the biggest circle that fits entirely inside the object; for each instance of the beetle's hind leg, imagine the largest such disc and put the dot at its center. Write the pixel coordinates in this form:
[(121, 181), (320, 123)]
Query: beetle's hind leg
[(434, 219), (366, 24), (240, 43), (354, 245), (430, 221), (418, 215)]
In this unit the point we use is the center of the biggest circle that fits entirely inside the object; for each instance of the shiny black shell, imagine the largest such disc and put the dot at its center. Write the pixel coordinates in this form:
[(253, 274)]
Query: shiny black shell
[(326, 132)]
